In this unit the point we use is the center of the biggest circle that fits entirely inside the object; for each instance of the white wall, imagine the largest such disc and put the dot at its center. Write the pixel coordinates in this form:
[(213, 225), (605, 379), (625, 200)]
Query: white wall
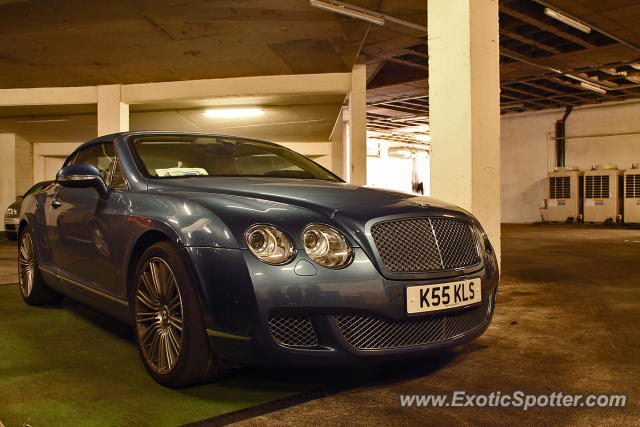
[(47, 154), (528, 150)]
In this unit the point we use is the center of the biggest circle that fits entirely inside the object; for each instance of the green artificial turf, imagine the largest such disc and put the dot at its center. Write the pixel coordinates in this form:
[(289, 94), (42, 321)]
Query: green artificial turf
[(70, 365)]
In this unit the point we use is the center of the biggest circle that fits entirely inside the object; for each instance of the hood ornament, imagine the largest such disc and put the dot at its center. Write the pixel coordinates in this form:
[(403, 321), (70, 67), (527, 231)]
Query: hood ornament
[(423, 205)]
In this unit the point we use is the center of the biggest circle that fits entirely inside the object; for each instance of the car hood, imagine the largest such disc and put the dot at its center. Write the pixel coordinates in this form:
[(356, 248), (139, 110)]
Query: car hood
[(322, 196), (349, 205)]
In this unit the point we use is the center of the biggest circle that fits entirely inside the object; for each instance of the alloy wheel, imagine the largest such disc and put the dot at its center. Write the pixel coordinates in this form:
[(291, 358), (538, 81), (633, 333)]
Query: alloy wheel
[(159, 315), (26, 265)]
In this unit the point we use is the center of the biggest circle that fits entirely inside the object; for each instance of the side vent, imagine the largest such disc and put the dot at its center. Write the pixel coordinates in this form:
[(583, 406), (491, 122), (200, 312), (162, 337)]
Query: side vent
[(632, 184), (597, 186), (560, 187)]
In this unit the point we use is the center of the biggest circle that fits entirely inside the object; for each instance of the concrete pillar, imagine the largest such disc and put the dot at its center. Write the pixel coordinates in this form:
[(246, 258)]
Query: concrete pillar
[(16, 168), (464, 107), (358, 123), (337, 139), (113, 114)]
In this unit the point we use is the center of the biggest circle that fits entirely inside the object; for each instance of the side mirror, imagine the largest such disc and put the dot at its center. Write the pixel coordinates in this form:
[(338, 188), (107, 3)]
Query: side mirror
[(81, 175)]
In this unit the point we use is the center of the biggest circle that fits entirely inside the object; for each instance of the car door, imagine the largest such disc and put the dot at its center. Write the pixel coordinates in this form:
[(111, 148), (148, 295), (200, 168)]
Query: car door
[(79, 225)]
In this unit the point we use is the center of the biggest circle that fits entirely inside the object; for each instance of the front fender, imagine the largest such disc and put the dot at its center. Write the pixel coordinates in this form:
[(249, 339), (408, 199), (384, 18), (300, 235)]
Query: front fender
[(185, 222)]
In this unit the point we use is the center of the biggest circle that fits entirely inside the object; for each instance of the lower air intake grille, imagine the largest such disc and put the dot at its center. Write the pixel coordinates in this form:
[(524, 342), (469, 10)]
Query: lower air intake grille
[(372, 333), (293, 331), (423, 244)]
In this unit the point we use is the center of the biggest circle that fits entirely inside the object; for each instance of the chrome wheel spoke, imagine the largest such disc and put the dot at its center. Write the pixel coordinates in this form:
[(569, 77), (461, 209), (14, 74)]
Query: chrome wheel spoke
[(147, 317), (155, 279), (26, 265), (175, 302), (148, 284), (176, 322), (158, 314), (167, 350), (147, 337), (155, 347), (148, 301), (175, 344)]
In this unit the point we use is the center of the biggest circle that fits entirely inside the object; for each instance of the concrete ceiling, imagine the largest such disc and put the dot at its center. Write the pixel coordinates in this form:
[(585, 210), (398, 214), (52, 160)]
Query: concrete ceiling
[(78, 42), (75, 42)]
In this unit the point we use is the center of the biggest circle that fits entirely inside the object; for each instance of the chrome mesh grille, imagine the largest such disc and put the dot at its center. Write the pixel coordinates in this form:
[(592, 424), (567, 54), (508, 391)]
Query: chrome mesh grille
[(372, 333), (413, 245), (293, 331)]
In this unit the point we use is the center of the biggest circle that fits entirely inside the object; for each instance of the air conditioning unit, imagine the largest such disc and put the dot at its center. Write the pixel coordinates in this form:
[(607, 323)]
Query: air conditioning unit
[(564, 201), (603, 194), (632, 194)]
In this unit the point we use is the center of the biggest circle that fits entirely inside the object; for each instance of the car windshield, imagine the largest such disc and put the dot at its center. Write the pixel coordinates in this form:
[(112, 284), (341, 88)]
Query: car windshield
[(180, 156)]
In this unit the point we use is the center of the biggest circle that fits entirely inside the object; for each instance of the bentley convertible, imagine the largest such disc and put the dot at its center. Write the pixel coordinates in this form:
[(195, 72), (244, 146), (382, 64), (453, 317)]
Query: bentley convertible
[(224, 251)]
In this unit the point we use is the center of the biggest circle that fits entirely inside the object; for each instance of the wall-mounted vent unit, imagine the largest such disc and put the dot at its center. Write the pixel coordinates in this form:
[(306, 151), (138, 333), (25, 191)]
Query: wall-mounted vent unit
[(565, 195), (632, 194), (603, 194)]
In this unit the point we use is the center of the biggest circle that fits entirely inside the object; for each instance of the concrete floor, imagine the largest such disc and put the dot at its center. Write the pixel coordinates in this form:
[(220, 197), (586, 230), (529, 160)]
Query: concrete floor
[(566, 320)]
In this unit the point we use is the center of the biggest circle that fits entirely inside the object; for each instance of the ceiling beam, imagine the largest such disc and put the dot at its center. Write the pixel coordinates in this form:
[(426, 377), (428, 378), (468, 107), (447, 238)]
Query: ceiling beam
[(527, 40), (529, 19)]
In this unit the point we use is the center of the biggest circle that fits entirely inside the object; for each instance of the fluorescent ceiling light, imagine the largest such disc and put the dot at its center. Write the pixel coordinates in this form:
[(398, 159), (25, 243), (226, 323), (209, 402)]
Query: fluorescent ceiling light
[(234, 113), (343, 10), (43, 120), (593, 87), (567, 20), (413, 129)]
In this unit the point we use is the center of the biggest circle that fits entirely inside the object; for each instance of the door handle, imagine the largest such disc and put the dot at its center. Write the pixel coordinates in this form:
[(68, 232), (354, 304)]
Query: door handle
[(56, 203)]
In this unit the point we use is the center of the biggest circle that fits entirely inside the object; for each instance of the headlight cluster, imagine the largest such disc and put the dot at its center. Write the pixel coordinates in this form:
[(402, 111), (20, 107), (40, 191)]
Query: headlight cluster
[(269, 244), (324, 245), (11, 212)]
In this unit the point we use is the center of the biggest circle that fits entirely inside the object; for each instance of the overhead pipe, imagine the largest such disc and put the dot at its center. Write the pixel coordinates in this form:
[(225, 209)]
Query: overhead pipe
[(560, 137)]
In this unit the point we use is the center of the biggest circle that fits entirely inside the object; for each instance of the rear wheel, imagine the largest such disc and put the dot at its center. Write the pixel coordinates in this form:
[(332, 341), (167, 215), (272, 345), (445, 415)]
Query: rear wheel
[(169, 326), (32, 286)]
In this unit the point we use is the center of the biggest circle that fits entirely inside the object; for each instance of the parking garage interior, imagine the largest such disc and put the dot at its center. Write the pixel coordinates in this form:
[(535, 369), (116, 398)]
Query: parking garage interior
[(524, 112)]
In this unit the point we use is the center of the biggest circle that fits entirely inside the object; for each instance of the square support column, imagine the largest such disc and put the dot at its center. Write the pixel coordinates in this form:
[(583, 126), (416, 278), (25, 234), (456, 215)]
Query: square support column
[(113, 114), (358, 123), (16, 168), (337, 140), (464, 107)]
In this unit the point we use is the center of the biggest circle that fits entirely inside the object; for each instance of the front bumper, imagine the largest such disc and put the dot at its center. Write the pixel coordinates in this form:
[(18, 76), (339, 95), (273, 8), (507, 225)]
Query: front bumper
[(243, 296), (11, 224)]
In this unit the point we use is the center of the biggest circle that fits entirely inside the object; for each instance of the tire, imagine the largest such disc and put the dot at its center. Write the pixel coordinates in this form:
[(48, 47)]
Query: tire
[(169, 326), (33, 289), (11, 235)]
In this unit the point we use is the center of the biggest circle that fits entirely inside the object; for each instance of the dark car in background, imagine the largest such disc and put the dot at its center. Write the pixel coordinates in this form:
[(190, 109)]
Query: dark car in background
[(223, 250), (11, 215)]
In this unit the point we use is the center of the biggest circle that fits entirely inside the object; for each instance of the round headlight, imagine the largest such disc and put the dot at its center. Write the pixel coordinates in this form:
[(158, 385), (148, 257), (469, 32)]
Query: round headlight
[(326, 246), (269, 244)]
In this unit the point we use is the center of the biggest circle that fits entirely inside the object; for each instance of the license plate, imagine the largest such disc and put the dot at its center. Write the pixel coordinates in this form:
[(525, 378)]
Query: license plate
[(442, 296)]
